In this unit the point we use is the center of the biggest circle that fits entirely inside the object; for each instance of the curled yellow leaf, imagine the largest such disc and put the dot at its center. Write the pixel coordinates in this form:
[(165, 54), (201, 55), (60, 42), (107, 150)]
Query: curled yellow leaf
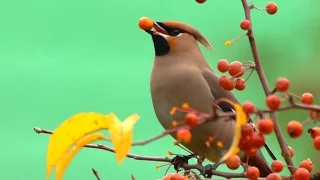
[(71, 131), (67, 157), (241, 119), (121, 136)]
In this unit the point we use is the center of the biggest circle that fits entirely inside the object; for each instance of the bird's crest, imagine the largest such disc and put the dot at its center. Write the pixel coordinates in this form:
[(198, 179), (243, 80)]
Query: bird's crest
[(190, 30)]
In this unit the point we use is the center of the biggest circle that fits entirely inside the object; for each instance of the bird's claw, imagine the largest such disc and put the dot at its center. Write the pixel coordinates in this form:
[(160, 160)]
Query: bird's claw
[(179, 160), (208, 168)]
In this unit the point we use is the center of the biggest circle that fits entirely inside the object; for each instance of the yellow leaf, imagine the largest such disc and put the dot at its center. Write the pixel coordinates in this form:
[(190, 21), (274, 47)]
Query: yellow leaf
[(67, 157), (71, 131), (121, 135), (241, 119)]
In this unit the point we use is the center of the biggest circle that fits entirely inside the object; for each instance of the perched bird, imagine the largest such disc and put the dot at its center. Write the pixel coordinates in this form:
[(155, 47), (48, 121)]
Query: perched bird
[(181, 74)]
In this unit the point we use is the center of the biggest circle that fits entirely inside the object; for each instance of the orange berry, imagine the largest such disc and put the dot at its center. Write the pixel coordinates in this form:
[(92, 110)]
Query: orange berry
[(282, 84), (265, 126), (314, 114), (233, 162), (236, 69), (252, 151), (291, 151), (226, 83), (248, 107), (277, 166), (223, 65), (257, 140), (177, 176), (314, 132), (191, 119), (271, 8), (301, 174), (145, 23), (245, 24), (247, 130), (252, 173), (273, 176), (240, 84), (200, 1), (316, 143), (307, 164), (273, 102), (294, 129), (184, 135), (307, 98), (168, 176)]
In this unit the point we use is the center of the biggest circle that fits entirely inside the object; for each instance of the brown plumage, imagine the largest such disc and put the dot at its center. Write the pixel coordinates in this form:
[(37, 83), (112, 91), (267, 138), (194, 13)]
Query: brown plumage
[(181, 74)]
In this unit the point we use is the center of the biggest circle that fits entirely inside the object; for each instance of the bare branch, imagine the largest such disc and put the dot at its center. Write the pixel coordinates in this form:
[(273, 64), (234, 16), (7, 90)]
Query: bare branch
[(266, 87)]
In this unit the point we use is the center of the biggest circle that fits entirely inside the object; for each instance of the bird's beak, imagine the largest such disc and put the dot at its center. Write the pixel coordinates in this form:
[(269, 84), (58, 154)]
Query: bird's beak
[(158, 29)]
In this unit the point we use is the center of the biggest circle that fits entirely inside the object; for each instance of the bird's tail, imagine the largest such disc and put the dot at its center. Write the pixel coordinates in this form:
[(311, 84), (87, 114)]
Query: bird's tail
[(260, 162)]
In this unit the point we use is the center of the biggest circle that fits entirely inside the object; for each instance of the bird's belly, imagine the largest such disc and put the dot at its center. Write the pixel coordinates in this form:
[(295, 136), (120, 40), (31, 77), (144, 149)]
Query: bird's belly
[(199, 98)]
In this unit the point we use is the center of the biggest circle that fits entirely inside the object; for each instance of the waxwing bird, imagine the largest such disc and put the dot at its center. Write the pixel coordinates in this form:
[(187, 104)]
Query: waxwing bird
[(181, 74)]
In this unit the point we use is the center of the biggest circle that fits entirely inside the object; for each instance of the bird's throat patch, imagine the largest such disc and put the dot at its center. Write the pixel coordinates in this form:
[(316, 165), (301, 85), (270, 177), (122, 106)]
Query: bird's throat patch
[(161, 45)]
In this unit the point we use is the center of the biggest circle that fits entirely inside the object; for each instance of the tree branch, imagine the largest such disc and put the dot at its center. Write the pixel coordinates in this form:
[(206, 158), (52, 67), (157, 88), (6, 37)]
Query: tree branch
[(266, 88)]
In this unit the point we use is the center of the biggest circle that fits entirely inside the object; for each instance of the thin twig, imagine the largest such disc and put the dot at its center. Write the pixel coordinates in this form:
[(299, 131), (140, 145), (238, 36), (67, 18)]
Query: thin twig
[(266, 88), (96, 174), (150, 158)]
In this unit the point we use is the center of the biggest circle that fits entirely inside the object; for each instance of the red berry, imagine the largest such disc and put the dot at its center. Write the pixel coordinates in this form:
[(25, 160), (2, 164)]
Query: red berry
[(252, 151), (257, 140), (307, 98), (233, 162), (223, 65), (240, 84), (248, 107), (301, 174), (265, 126), (191, 119), (177, 176), (294, 129), (271, 8), (273, 176), (246, 130), (277, 166), (316, 143), (252, 173), (273, 102), (314, 132), (282, 84), (307, 164), (245, 24), (291, 151), (236, 69), (244, 143), (200, 1), (184, 135), (226, 83), (314, 114), (168, 176)]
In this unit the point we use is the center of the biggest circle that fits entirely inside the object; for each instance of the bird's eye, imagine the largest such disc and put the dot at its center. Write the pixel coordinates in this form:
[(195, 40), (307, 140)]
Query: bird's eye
[(175, 32)]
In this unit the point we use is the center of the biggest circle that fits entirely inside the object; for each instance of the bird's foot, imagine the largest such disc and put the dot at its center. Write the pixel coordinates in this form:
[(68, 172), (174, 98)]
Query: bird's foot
[(208, 168), (179, 160)]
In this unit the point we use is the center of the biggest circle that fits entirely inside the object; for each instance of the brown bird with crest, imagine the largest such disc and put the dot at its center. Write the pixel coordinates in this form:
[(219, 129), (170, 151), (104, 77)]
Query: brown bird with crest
[(181, 74)]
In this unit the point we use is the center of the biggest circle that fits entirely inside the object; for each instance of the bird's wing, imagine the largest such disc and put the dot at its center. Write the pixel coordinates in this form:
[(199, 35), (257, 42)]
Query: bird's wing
[(218, 92)]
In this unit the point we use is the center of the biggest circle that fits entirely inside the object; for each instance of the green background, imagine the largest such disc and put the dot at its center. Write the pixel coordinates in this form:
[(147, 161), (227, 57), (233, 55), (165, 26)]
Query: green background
[(61, 57)]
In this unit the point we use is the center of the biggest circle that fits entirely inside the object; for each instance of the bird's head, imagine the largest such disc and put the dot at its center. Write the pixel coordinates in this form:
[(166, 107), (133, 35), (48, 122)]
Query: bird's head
[(171, 37)]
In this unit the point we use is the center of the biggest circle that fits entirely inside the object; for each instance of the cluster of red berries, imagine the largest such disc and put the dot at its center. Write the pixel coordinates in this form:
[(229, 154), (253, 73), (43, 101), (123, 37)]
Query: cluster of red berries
[(253, 173), (303, 172), (251, 141), (236, 70)]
